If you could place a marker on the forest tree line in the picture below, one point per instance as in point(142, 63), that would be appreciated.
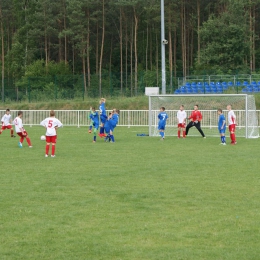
point(93, 38)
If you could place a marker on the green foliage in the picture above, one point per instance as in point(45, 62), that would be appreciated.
point(225, 40)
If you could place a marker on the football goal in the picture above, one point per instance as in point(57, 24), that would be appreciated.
point(242, 104)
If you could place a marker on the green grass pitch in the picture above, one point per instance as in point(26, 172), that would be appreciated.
point(137, 198)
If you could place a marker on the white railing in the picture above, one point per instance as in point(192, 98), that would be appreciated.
point(127, 117)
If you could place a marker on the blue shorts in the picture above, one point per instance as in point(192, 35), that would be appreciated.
point(103, 119)
point(222, 131)
point(161, 127)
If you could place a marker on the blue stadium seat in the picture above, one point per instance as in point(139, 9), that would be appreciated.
point(214, 91)
point(220, 89)
point(212, 84)
point(245, 83)
point(255, 89)
point(258, 83)
point(201, 89)
point(230, 84)
point(218, 84)
point(199, 84)
point(207, 90)
point(193, 84)
point(238, 83)
point(177, 91)
point(183, 91)
point(249, 89)
point(244, 90)
point(195, 90)
point(253, 83)
point(187, 84)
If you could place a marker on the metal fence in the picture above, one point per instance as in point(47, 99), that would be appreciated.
point(128, 118)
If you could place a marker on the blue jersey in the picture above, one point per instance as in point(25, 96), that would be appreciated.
point(102, 109)
point(162, 118)
point(94, 117)
point(114, 119)
point(221, 120)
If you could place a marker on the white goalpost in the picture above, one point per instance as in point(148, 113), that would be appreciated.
point(242, 104)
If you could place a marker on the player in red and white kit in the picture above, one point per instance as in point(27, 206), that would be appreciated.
point(51, 124)
point(181, 117)
point(21, 131)
point(6, 122)
point(196, 118)
point(231, 124)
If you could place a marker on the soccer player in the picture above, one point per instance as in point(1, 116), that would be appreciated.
point(222, 126)
point(196, 118)
point(21, 131)
point(181, 117)
point(162, 122)
point(232, 124)
point(103, 116)
point(95, 122)
point(111, 125)
point(6, 122)
point(51, 124)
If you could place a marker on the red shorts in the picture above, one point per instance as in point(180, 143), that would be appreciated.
point(6, 127)
point(22, 134)
point(232, 128)
point(51, 139)
point(181, 125)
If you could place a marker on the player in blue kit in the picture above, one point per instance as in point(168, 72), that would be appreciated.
point(222, 126)
point(95, 122)
point(162, 122)
point(103, 116)
point(111, 125)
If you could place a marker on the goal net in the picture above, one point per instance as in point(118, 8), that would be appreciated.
point(242, 104)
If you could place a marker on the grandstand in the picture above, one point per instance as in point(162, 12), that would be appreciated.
point(218, 84)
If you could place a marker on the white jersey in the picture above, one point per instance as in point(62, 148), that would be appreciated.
point(231, 118)
point(6, 119)
point(18, 125)
point(50, 123)
point(181, 116)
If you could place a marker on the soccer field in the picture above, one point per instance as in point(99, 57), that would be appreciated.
point(137, 198)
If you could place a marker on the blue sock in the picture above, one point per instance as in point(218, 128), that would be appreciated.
point(101, 130)
point(112, 138)
point(90, 127)
point(221, 138)
point(161, 134)
point(95, 138)
point(224, 139)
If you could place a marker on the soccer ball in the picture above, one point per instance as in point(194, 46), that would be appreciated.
point(43, 137)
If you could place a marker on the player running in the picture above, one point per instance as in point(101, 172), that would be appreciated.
point(196, 118)
point(232, 124)
point(103, 116)
point(181, 117)
point(162, 122)
point(21, 131)
point(51, 124)
point(222, 126)
point(95, 122)
point(6, 122)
